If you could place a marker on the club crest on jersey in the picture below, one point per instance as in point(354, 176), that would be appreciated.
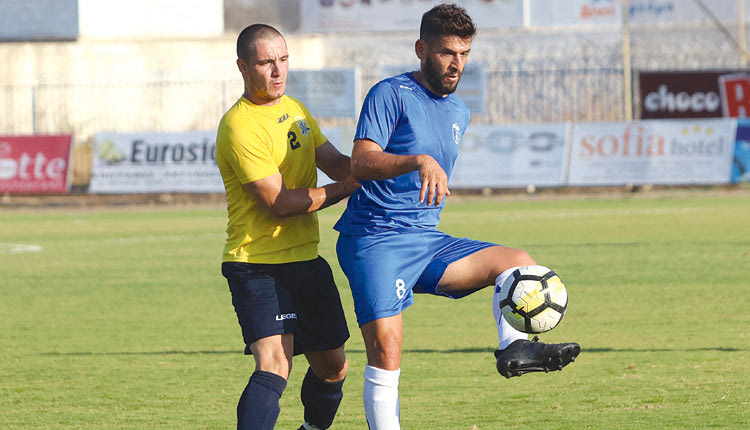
point(302, 124)
point(456, 133)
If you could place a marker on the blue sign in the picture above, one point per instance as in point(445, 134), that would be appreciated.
point(35, 20)
point(741, 161)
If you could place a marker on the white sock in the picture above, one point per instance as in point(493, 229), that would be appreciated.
point(505, 333)
point(308, 426)
point(380, 396)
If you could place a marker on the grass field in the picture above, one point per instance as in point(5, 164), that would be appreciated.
point(120, 319)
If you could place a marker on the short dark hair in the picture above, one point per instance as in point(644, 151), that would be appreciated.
point(446, 20)
point(248, 36)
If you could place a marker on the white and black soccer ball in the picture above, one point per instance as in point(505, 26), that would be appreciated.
point(533, 299)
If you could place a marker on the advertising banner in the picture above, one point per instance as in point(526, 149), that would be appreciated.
point(735, 95)
point(741, 161)
point(653, 152)
point(35, 164)
point(31, 20)
point(575, 13)
point(679, 11)
point(126, 163)
point(509, 156)
point(472, 88)
point(165, 18)
point(326, 92)
point(680, 95)
point(366, 15)
point(155, 163)
point(712, 94)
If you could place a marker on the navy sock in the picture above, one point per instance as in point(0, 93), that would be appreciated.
point(258, 407)
point(321, 399)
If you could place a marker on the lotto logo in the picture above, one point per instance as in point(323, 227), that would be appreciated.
point(400, 288)
point(34, 164)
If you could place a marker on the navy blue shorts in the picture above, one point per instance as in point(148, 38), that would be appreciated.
point(299, 298)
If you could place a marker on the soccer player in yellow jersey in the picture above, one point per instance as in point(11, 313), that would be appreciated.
point(268, 147)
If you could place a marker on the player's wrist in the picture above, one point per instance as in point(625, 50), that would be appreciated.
point(421, 161)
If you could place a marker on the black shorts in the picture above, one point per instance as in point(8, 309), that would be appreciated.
point(299, 297)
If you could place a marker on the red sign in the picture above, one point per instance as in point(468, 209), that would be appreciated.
point(34, 164)
point(735, 90)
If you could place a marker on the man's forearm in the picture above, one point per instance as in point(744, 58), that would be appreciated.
point(376, 165)
point(306, 200)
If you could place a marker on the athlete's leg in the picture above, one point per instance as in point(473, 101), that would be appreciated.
point(515, 355)
point(258, 407)
point(383, 339)
point(259, 297)
point(382, 268)
point(274, 354)
point(330, 365)
point(322, 387)
point(322, 332)
point(489, 266)
point(480, 269)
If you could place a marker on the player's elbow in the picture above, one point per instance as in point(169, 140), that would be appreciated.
point(292, 202)
point(281, 211)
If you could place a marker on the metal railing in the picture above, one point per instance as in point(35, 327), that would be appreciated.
point(513, 95)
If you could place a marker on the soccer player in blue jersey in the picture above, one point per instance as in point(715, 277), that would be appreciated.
point(389, 247)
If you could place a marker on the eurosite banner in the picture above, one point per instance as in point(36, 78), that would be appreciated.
point(710, 94)
point(35, 164)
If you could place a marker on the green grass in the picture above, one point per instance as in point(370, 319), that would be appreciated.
point(123, 321)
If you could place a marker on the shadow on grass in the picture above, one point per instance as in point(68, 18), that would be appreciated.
point(176, 352)
point(406, 351)
point(706, 348)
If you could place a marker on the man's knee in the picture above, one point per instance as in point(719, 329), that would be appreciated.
point(520, 258)
point(274, 354)
point(332, 371)
point(504, 258)
point(328, 365)
point(385, 353)
point(383, 338)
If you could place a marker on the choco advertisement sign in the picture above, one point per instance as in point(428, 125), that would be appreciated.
point(712, 94)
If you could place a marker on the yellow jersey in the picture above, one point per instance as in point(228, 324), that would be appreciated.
point(254, 142)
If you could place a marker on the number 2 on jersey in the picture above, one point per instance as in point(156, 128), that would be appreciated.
point(293, 140)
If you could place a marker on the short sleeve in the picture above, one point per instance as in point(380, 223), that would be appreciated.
point(248, 155)
point(380, 113)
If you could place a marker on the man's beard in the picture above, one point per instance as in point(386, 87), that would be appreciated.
point(435, 79)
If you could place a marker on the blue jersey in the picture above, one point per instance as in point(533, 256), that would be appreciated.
point(404, 118)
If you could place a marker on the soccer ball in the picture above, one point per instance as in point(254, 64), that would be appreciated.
point(533, 299)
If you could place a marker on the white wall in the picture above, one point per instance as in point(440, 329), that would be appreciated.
point(97, 61)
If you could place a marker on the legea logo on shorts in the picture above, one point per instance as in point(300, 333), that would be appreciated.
point(282, 317)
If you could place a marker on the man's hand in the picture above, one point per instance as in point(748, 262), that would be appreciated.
point(350, 185)
point(434, 180)
point(371, 163)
